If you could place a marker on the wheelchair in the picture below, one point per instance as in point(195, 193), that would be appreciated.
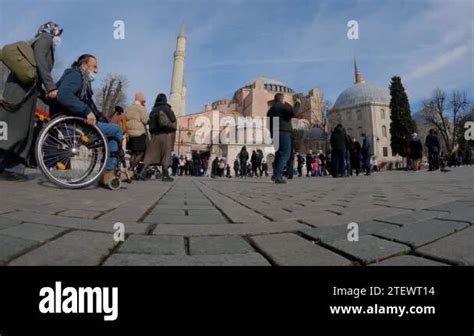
point(73, 155)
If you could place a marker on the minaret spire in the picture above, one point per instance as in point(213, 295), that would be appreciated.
point(359, 79)
point(177, 96)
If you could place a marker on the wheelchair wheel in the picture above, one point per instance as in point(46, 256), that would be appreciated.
point(114, 184)
point(70, 153)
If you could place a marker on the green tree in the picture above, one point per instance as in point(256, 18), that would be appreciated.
point(402, 124)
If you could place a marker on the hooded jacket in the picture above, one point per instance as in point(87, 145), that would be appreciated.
point(161, 104)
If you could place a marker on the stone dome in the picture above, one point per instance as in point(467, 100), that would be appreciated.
point(271, 85)
point(362, 93)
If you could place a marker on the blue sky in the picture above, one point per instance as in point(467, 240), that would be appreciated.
point(230, 42)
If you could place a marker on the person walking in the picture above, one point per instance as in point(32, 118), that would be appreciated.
point(356, 152)
point(137, 118)
point(300, 162)
point(309, 164)
point(253, 161)
point(236, 166)
point(338, 146)
point(284, 114)
point(182, 165)
point(243, 158)
point(432, 143)
point(366, 153)
point(265, 167)
point(416, 150)
point(163, 131)
point(19, 102)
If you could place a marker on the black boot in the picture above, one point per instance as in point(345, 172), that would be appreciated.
point(166, 175)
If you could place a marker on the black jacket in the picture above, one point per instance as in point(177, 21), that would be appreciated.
point(338, 139)
point(432, 143)
point(161, 104)
point(285, 113)
point(244, 156)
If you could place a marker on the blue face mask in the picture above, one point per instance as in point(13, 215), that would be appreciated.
point(92, 76)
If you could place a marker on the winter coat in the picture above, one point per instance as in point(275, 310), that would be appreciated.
point(338, 139)
point(20, 120)
point(137, 118)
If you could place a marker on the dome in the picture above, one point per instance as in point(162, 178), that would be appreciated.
point(267, 81)
point(270, 85)
point(362, 93)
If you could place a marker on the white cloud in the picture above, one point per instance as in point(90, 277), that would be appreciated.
point(439, 62)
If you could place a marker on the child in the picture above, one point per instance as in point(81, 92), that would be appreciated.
point(315, 166)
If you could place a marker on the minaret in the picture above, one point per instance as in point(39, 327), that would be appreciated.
point(177, 95)
point(359, 79)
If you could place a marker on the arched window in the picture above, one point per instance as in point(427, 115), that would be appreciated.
point(359, 115)
point(382, 113)
point(384, 131)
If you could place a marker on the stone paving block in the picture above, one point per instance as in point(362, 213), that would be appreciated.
point(457, 248)
point(31, 231)
point(76, 213)
point(219, 245)
point(370, 249)
point(340, 232)
point(453, 207)
point(163, 245)
point(409, 217)
point(176, 219)
point(248, 259)
point(78, 223)
point(76, 248)
point(8, 222)
point(466, 215)
point(421, 233)
point(292, 250)
point(11, 247)
point(408, 260)
point(228, 229)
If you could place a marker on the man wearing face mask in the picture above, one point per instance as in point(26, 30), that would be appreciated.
point(75, 98)
point(19, 102)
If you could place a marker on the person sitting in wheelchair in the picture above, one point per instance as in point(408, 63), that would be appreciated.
point(75, 98)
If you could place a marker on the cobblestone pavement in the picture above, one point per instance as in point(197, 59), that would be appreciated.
point(404, 218)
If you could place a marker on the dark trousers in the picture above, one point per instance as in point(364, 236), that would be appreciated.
point(243, 168)
point(433, 160)
point(366, 162)
point(339, 162)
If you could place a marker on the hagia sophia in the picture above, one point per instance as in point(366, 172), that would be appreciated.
point(362, 108)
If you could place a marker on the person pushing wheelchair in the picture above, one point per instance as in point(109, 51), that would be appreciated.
point(75, 98)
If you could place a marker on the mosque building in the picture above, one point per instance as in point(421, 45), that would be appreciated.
point(365, 108)
point(252, 100)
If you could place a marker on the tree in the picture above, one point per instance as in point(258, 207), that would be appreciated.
point(447, 116)
point(402, 124)
point(112, 93)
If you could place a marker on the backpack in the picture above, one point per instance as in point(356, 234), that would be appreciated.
point(19, 58)
point(165, 122)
